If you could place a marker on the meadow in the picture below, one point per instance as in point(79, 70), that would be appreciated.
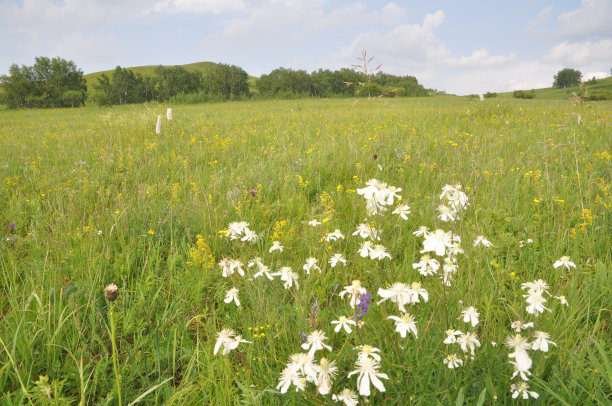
point(93, 197)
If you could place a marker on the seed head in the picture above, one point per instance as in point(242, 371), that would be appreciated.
point(110, 292)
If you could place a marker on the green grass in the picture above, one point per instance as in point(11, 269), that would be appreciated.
point(602, 86)
point(98, 198)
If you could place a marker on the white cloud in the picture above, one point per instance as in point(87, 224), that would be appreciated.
point(581, 53)
point(198, 6)
point(592, 19)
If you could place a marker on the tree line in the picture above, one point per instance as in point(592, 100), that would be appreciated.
point(59, 83)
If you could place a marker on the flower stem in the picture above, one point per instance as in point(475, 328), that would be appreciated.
point(114, 343)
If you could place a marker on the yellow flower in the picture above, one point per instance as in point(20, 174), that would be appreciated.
point(151, 232)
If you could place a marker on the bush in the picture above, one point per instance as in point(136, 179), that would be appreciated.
point(394, 91)
point(490, 95)
point(599, 95)
point(524, 94)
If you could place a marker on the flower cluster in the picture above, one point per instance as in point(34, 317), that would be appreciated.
point(455, 201)
point(379, 196)
point(240, 231)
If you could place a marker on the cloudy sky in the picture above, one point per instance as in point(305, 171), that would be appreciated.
point(458, 46)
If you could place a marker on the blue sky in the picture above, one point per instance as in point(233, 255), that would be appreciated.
point(458, 46)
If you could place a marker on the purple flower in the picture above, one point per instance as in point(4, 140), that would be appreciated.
point(364, 304)
point(303, 336)
point(13, 225)
point(253, 192)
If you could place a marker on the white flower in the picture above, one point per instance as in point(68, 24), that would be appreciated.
point(276, 246)
point(365, 249)
point(446, 214)
point(426, 265)
point(336, 235)
point(367, 368)
point(421, 232)
point(437, 242)
point(468, 340)
point(232, 294)
point(519, 325)
point(402, 210)
point(311, 263)
point(264, 270)
point(314, 223)
point(564, 261)
point(521, 389)
point(249, 236)
point(325, 373)
point(452, 361)
point(482, 240)
point(255, 261)
point(288, 276)
point(368, 351)
point(379, 252)
point(450, 266)
point(228, 339)
point(291, 375)
point(303, 363)
point(404, 324)
point(344, 322)
point(541, 341)
point(158, 126)
point(398, 293)
point(347, 396)
point(354, 290)
point(522, 243)
point(169, 114)
point(520, 346)
point(366, 231)
point(415, 291)
point(562, 299)
point(470, 315)
point(537, 287)
point(451, 336)
point(236, 229)
point(229, 266)
point(536, 304)
point(335, 259)
point(314, 342)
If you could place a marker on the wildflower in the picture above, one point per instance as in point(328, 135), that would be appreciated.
point(314, 223)
point(276, 246)
point(264, 271)
point(288, 276)
point(404, 324)
point(367, 368)
point(169, 114)
point(347, 396)
point(303, 363)
point(446, 214)
point(450, 266)
point(427, 265)
point(520, 346)
point(437, 242)
point(335, 259)
point(336, 235)
point(379, 252)
point(311, 263)
point(315, 342)
point(541, 341)
point(451, 336)
point(482, 240)
point(365, 249)
point(398, 293)
point(368, 351)
point(236, 229)
point(255, 261)
point(536, 304)
point(354, 291)
point(564, 261)
point(289, 376)
point(344, 322)
point(363, 305)
point(537, 287)
point(402, 210)
point(454, 249)
point(521, 389)
point(326, 372)
point(421, 232)
point(250, 236)
point(366, 231)
point(415, 291)
point(562, 299)
point(519, 325)
point(468, 340)
point(111, 292)
point(522, 243)
point(229, 340)
point(232, 294)
point(452, 361)
point(470, 315)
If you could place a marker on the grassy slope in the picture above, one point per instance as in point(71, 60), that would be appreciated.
point(552, 93)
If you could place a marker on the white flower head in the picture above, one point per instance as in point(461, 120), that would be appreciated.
point(470, 315)
point(347, 396)
point(402, 210)
point(315, 342)
point(367, 368)
point(453, 361)
point(232, 295)
point(276, 246)
point(405, 324)
point(345, 323)
point(336, 259)
point(480, 240)
point(541, 341)
point(565, 262)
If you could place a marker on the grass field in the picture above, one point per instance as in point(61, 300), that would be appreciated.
point(92, 197)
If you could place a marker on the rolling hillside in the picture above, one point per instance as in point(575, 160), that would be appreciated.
point(602, 87)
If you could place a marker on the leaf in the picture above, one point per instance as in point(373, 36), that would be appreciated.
point(143, 395)
point(482, 397)
point(460, 398)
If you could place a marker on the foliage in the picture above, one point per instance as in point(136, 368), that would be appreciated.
point(490, 95)
point(48, 83)
point(523, 94)
point(119, 204)
point(567, 77)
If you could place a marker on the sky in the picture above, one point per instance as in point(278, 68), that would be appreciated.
point(460, 47)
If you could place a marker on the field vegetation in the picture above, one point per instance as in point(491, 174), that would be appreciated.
point(92, 198)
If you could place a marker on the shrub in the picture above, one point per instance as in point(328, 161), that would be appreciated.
point(524, 94)
point(490, 95)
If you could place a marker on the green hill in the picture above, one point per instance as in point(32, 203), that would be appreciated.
point(149, 70)
point(600, 89)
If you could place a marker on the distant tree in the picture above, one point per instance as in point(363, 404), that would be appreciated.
point(567, 77)
point(73, 97)
point(43, 84)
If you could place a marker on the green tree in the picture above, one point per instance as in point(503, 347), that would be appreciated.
point(567, 77)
